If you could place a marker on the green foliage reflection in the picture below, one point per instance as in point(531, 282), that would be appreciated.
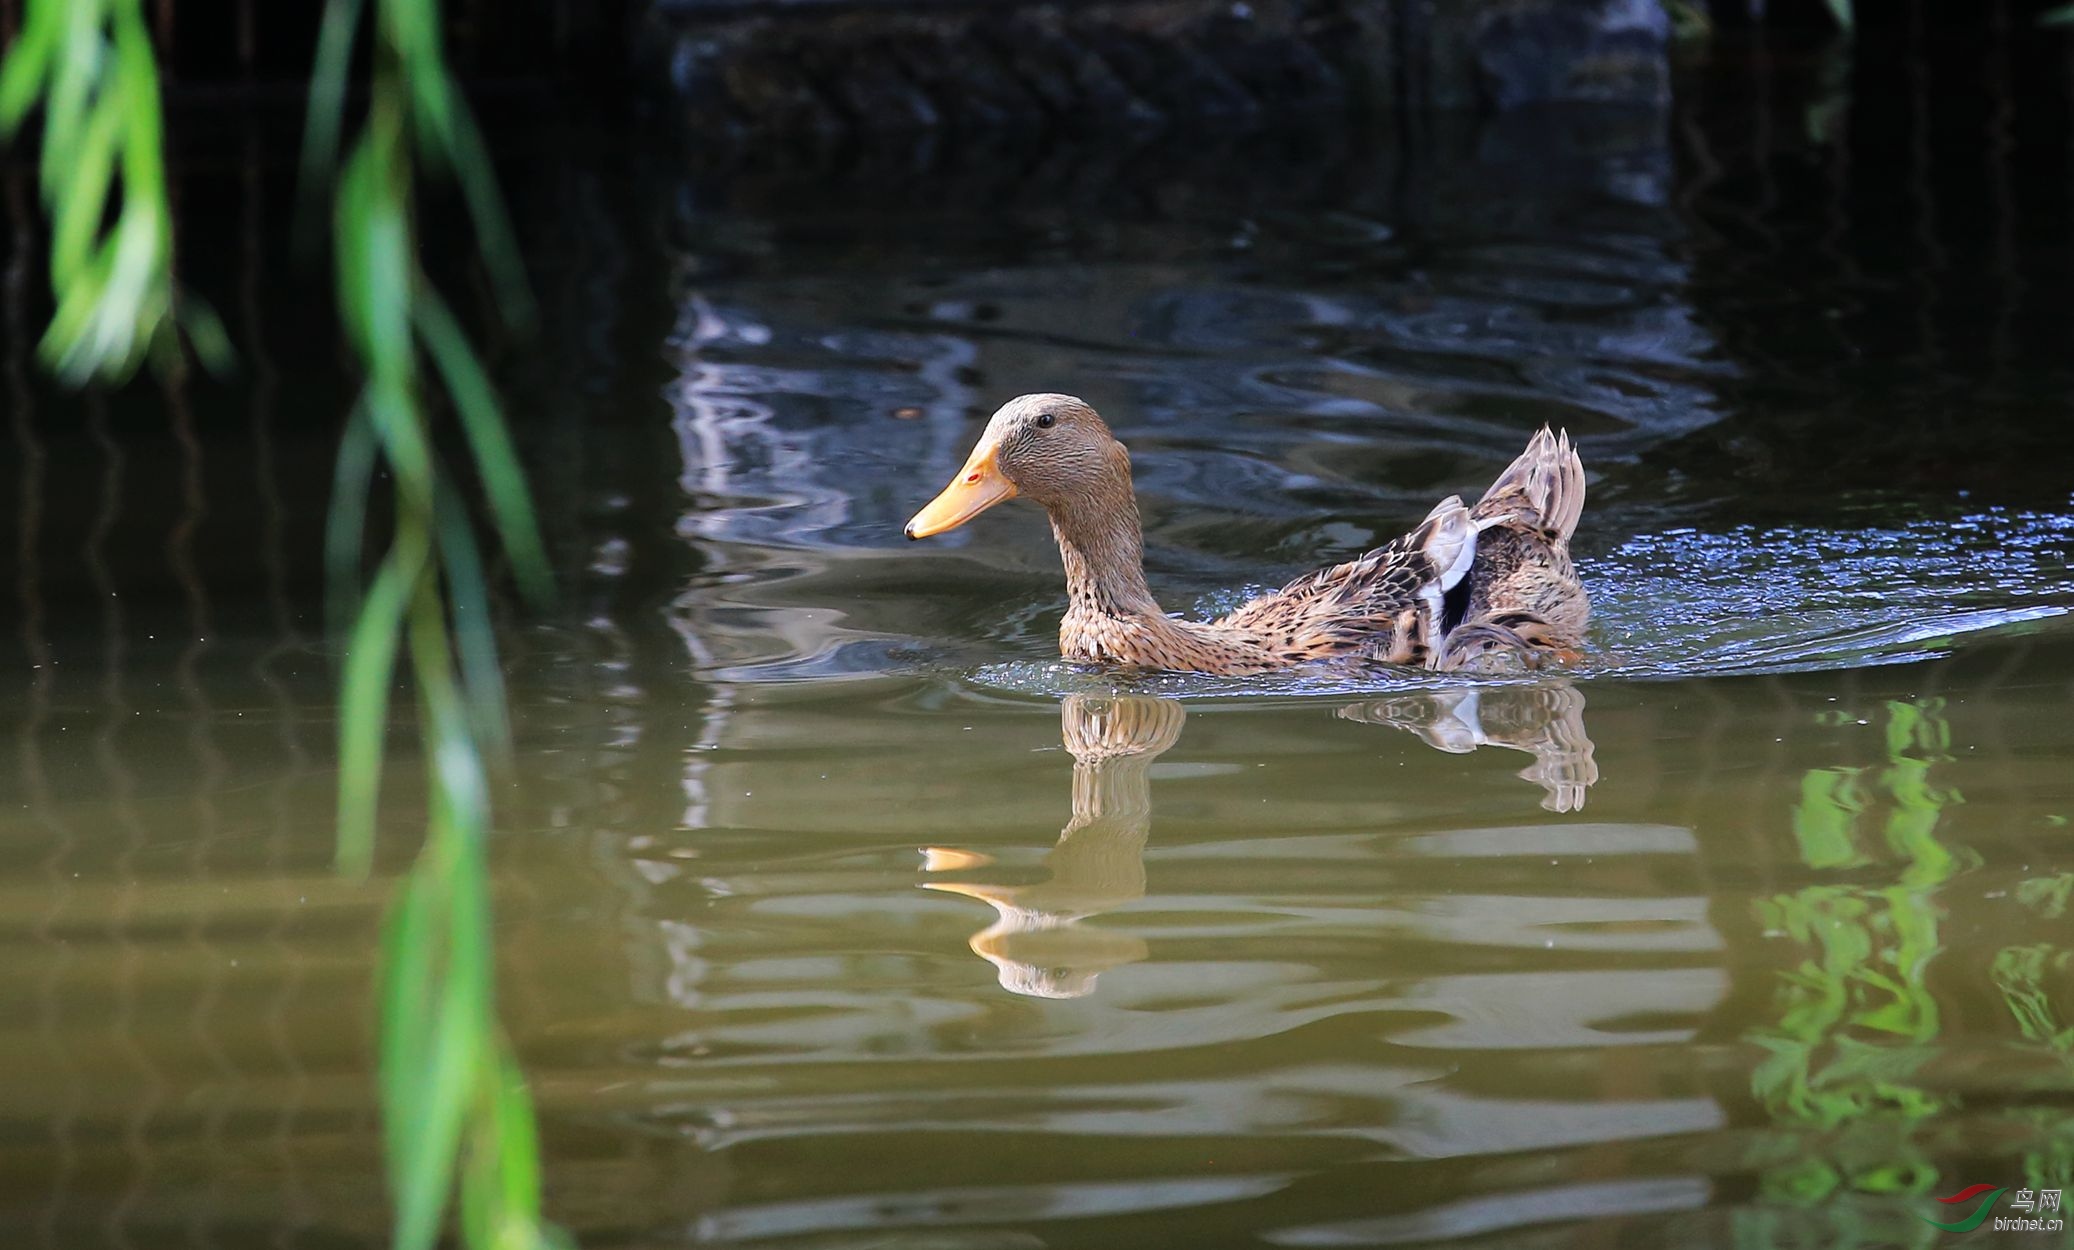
point(1855, 1020)
point(2020, 973)
point(2033, 981)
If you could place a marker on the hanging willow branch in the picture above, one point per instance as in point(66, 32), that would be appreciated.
point(89, 63)
point(455, 1109)
point(456, 1114)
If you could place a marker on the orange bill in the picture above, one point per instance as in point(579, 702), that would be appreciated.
point(979, 486)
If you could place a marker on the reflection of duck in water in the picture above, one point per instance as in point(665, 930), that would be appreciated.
point(1468, 582)
point(1098, 864)
point(1547, 722)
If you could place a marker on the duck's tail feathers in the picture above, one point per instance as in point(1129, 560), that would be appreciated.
point(1543, 488)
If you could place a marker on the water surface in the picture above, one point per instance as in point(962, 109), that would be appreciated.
point(835, 912)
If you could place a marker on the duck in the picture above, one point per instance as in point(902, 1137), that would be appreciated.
point(1470, 587)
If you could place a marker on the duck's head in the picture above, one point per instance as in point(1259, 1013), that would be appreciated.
point(1052, 449)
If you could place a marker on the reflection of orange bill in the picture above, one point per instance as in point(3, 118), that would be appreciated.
point(948, 859)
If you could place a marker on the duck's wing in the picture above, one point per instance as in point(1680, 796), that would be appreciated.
point(1390, 604)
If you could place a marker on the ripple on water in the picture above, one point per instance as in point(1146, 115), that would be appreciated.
point(1686, 603)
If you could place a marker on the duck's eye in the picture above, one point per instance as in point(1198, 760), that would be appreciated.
point(1044, 420)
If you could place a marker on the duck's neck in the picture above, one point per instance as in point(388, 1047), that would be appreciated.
point(1104, 554)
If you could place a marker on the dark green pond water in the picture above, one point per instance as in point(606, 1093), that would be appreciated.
point(836, 913)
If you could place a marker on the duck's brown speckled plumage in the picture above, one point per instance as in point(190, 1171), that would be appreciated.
point(1465, 583)
point(1524, 595)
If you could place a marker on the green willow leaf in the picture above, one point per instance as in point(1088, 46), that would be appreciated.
point(376, 266)
point(82, 202)
point(496, 460)
point(409, 953)
point(495, 239)
point(517, 1137)
point(434, 1100)
point(206, 335)
point(436, 1118)
point(478, 1208)
point(345, 522)
point(324, 120)
point(364, 702)
point(481, 676)
point(76, 73)
point(27, 69)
